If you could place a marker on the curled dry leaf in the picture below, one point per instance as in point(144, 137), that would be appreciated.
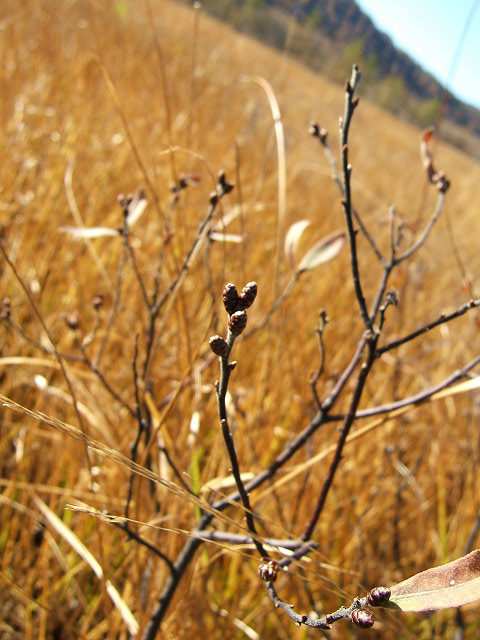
point(134, 207)
point(450, 585)
point(438, 178)
point(323, 251)
point(293, 238)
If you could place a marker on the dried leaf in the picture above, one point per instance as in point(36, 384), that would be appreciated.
point(293, 238)
point(231, 214)
point(450, 585)
point(89, 232)
point(216, 236)
point(136, 208)
point(323, 251)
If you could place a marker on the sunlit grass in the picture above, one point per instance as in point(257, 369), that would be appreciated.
point(82, 91)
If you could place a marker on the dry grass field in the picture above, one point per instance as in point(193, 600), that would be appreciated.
point(99, 98)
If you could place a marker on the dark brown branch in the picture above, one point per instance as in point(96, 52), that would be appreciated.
point(350, 105)
point(347, 425)
point(225, 371)
point(443, 319)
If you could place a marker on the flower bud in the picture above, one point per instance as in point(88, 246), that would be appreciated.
point(237, 322)
point(6, 309)
point(223, 186)
point(97, 301)
point(72, 320)
point(378, 596)
point(218, 346)
point(268, 570)
point(248, 295)
point(362, 618)
point(230, 298)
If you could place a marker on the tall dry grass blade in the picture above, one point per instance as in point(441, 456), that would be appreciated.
point(164, 85)
point(282, 168)
point(78, 546)
point(79, 222)
point(128, 132)
point(117, 456)
point(461, 387)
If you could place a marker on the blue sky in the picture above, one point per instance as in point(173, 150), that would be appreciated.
point(441, 35)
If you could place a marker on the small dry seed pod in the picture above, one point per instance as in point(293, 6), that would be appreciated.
point(38, 531)
point(230, 298)
point(268, 570)
point(237, 322)
point(72, 320)
point(378, 596)
point(6, 309)
point(248, 295)
point(97, 301)
point(362, 618)
point(223, 186)
point(218, 346)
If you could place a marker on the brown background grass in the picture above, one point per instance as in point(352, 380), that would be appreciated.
point(82, 87)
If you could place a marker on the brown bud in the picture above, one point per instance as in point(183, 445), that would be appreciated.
point(237, 322)
point(223, 186)
point(268, 570)
point(248, 295)
point(97, 301)
point(38, 531)
point(218, 346)
point(378, 596)
point(442, 183)
point(230, 298)
point(71, 320)
point(362, 618)
point(6, 309)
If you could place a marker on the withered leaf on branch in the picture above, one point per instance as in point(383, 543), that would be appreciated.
point(323, 251)
point(292, 240)
point(450, 585)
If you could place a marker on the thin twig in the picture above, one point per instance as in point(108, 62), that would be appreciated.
point(350, 105)
point(175, 284)
point(421, 240)
point(347, 424)
point(225, 371)
point(443, 319)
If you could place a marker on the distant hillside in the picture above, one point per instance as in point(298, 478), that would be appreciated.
point(330, 35)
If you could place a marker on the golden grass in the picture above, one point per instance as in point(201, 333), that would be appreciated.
point(83, 90)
